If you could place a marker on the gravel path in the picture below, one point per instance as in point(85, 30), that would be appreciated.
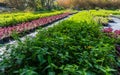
point(116, 25)
point(32, 35)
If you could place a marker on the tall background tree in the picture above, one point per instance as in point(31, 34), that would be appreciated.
point(90, 4)
point(51, 4)
point(35, 4)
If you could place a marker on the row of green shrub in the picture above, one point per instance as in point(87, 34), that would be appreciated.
point(10, 19)
point(104, 16)
point(73, 47)
point(104, 13)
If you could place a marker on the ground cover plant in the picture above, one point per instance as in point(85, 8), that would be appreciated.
point(104, 13)
point(26, 26)
point(12, 19)
point(73, 47)
point(103, 16)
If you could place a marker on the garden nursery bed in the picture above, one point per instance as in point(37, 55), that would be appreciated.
point(75, 46)
point(28, 27)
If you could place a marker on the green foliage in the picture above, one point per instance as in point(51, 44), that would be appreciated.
point(102, 20)
point(15, 18)
point(101, 16)
point(73, 47)
point(104, 13)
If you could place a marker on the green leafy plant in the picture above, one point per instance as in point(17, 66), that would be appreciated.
point(73, 47)
point(20, 17)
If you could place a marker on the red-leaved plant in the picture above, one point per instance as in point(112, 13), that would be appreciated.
point(7, 31)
